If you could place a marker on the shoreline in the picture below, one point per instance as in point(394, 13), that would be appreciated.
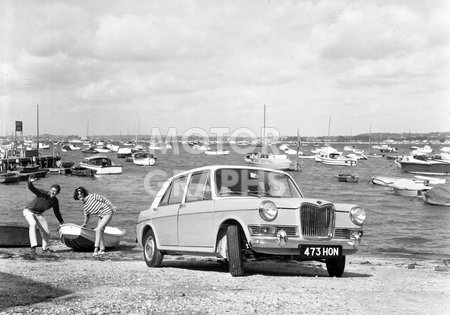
point(69, 282)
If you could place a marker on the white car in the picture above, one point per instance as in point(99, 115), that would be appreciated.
point(240, 213)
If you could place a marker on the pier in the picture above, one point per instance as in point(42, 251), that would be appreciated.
point(43, 161)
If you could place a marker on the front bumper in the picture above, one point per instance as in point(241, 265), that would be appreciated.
point(281, 245)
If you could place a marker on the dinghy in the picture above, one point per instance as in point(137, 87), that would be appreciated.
point(82, 239)
point(349, 178)
point(438, 196)
point(407, 187)
point(16, 236)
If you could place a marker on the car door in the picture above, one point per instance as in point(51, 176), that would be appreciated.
point(165, 219)
point(195, 217)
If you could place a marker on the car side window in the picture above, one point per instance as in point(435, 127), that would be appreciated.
point(177, 190)
point(199, 187)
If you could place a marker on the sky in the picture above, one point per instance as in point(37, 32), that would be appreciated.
point(331, 67)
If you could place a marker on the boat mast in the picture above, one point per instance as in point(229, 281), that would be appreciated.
point(137, 132)
point(37, 124)
point(264, 131)
point(329, 125)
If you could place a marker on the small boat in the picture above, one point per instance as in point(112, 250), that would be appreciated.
point(431, 180)
point(391, 181)
point(383, 180)
point(82, 239)
point(91, 150)
point(66, 148)
point(384, 148)
point(336, 159)
point(101, 164)
point(9, 177)
point(349, 178)
point(16, 236)
point(410, 188)
point(123, 153)
point(437, 196)
point(82, 171)
point(270, 160)
point(74, 147)
point(102, 149)
point(143, 158)
point(419, 164)
point(217, 152)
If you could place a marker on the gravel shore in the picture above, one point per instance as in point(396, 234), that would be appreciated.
point(68, 282)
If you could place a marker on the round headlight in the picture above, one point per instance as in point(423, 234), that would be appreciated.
point(358, 215)
point(268, 210)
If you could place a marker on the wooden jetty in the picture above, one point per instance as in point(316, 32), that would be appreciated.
point(43, 161)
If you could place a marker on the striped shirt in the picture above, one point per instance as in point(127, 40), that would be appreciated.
point(96, 204)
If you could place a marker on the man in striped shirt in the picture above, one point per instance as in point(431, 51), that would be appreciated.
point(97, 205)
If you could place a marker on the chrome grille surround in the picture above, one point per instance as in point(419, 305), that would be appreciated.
point(345, 233)
point(317, 221)
point(291, 230)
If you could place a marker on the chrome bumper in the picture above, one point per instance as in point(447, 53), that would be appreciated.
point(281, 245)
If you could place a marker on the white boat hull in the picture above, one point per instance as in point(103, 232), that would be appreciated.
point(144, 162)
point(80, 238)
point(103, 170)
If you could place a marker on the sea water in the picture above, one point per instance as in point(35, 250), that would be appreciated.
point(396, 225)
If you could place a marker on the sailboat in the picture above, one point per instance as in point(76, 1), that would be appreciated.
point(269, 160)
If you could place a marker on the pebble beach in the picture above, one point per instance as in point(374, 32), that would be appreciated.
point(119, 282)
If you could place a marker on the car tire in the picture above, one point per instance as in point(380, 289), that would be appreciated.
point(234, 251)
point(153, 257)
point(335, 266)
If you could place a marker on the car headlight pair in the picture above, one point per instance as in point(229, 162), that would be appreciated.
point(357, 215)
point(268, 210)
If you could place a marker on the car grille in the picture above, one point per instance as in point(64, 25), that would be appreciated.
point(317, 221)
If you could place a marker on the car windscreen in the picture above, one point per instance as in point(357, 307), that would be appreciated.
point(251, 182)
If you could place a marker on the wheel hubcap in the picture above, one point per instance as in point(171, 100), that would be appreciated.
point(149, 248)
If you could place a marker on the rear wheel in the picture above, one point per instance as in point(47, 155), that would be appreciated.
point(153, 257)
point(335, 266)
point(234, 248)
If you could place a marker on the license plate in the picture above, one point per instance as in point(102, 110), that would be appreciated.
point(319, 251)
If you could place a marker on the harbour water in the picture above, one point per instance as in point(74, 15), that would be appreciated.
point(395, 225)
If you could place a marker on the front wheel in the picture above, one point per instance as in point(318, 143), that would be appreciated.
point(234, 248)
point(336, 266)
point(153, 257)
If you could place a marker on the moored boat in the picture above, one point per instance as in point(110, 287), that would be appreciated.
point(410, 188)
point(437, 196)
point(143, 158)
point(272, 161)
point(90, 150)
point(101, 164)
point(217, 152)
point(123, 153)
point(424, 165)
point(349, 178)
point(82, 239)
point(336, 159)
point(82, 171)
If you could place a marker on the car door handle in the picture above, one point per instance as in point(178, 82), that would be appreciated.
point(182, 205)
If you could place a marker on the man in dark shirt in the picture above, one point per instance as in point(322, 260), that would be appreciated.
point(33, 213)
